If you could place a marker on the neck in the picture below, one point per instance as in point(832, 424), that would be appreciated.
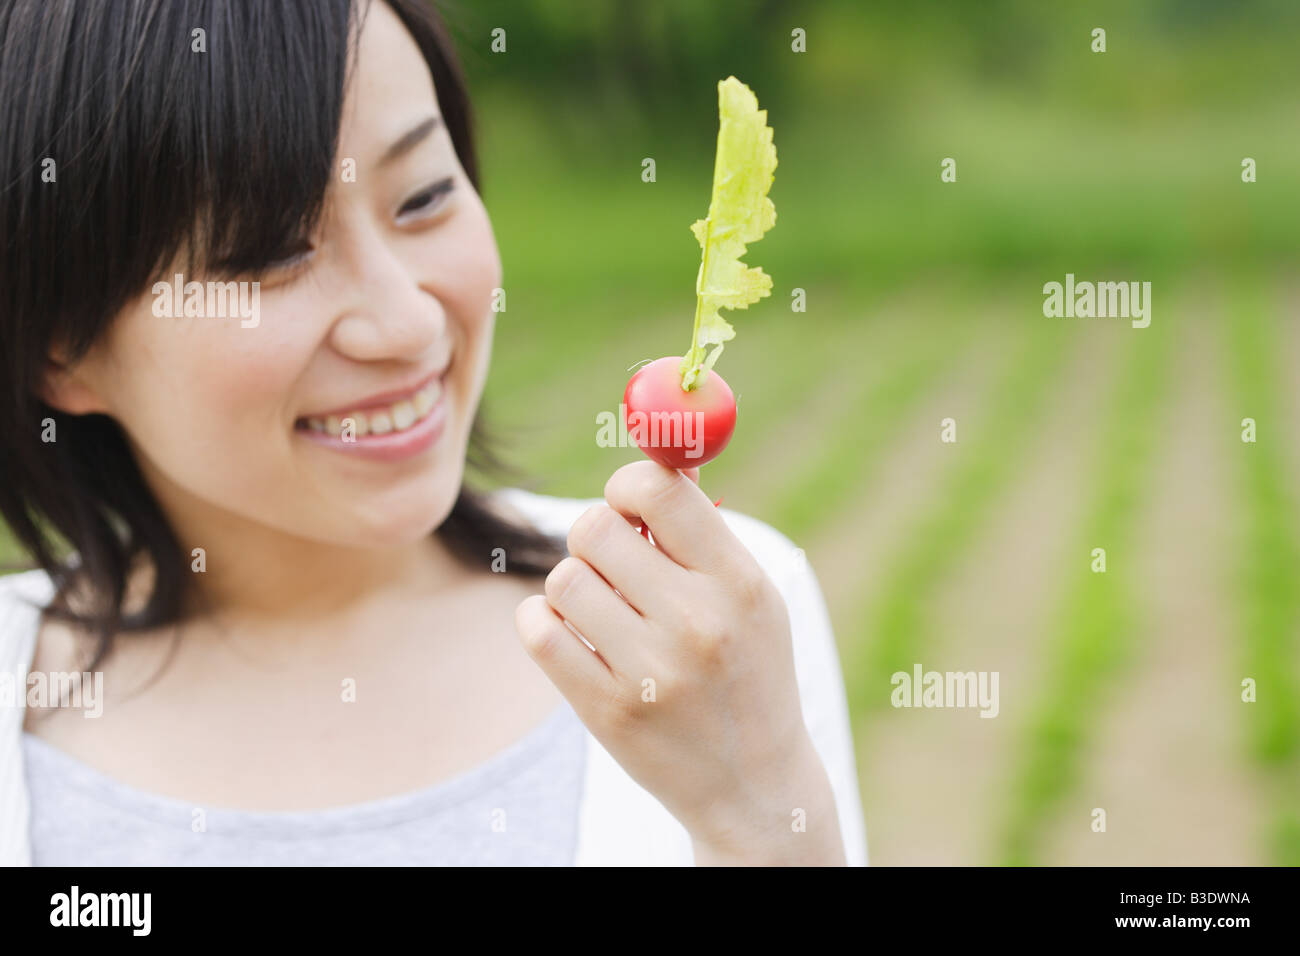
point(276, 577)
point(254, 573)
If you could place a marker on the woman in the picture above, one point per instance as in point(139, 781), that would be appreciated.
point(247, 503)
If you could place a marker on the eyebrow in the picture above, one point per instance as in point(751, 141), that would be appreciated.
point(410, 139)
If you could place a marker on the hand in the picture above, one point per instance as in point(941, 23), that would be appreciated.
point(692, 686)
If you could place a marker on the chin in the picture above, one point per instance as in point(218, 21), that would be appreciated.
point(417, 514)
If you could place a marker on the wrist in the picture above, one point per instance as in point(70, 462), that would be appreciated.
point(787, 819)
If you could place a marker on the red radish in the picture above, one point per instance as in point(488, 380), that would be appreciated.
point(675, 427)
point(678, 410)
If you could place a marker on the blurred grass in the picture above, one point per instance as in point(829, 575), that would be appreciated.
point(1098, 623)
point(1268, 563)
point(889, 632)
point(868, 413)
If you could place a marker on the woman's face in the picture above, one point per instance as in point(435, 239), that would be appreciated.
point(388, 323)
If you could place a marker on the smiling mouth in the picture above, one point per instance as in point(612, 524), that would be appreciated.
point(398, 416)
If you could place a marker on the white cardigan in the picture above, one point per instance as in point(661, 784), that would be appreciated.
point(619, 822)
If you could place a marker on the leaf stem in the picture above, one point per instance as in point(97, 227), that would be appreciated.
point(693, 357)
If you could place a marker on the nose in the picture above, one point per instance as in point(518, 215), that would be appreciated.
point(388, 314)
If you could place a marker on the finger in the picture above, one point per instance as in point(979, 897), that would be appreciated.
point(691, 473)
point(681, 517)
point(576, 672)
point(641, 572)
point(579, 595)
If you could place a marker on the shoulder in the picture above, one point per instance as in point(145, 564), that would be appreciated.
point(546, 513)
point(22, 595)
point(22, 598)
point(23, 591)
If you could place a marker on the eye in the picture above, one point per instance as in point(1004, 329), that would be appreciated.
point(426, 201)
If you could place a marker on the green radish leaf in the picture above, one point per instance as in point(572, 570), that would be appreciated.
point(740, 212)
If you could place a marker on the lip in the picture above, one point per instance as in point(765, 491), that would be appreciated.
point(394, 446)
point(380, 399)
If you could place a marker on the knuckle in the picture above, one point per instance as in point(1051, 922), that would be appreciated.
point(711, 637)
point(593, 526)
point(678, 609)
point(563, 582)
point(541, 642)
point(671, 686)
point(540, 638)
point(624, 710)
point(643, 481)
point(626, 478)
point(751, 586)
point(663, 486)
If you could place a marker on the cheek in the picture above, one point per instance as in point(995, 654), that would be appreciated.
point(198, 396)
point(473, 294)
point(475, 264)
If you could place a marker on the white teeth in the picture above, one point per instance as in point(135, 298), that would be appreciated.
point(403, 415)
point(397, 417)
point(427, 397)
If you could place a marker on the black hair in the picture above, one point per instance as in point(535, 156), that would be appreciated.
point(159, 153)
